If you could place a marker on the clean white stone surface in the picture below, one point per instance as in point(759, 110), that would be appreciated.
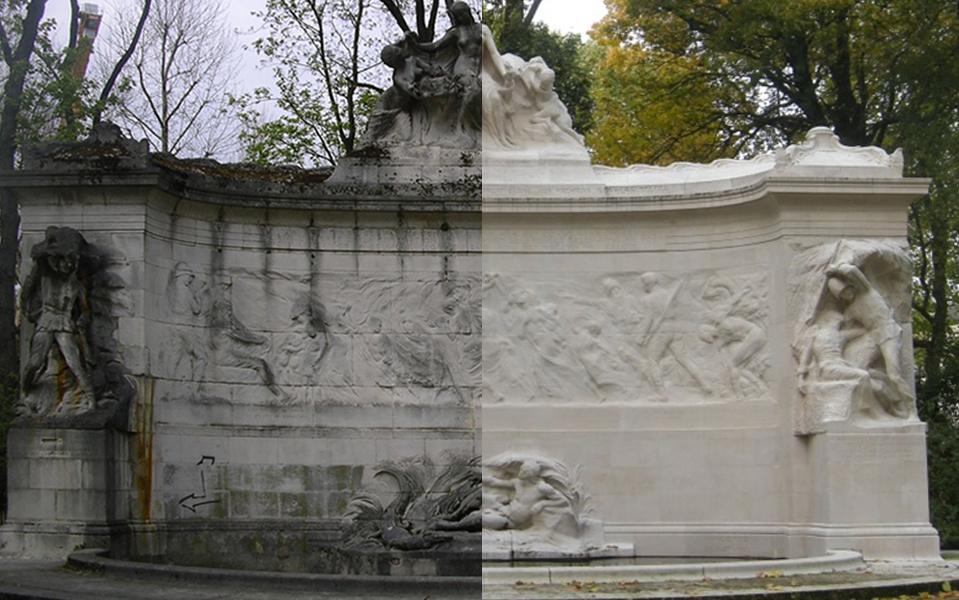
point(686, 459)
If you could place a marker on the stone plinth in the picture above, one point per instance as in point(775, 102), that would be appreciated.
point(67, 489)
point(866, 488)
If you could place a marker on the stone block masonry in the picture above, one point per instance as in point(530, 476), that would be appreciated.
point(286, 341)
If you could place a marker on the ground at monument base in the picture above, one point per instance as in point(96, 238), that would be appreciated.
point(49, 580)
point(43, 579)
point(878, 580)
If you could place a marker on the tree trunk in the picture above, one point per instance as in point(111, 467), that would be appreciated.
point(9, 210)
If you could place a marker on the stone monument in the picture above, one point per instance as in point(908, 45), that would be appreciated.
point(721, 352)
point(282, 369)
point(267, 369)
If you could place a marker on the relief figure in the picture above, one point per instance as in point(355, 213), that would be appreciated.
point(655, 341)
point(531, 503)
point(520, 108)
point(56, 303)
point(235, 345)
point(72, 299)
point(850, 343)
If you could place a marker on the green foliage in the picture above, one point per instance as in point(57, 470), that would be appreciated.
point(55, 105)
point(943, 453)
point(325, 60)
point(771, 70)
point(294, 138)
point(657, 108)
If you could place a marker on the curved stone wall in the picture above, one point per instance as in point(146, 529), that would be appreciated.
point(698, 346)
point(286, 340)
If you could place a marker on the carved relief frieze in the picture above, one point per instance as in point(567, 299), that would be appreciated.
point(290, 334)
point(625, 337)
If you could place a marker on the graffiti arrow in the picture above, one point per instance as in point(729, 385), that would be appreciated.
point(192, 506)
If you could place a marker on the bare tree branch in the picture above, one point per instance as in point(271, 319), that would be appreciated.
point(112, 80)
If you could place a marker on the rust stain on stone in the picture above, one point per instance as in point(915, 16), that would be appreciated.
point(62, 373)
point(143, 424)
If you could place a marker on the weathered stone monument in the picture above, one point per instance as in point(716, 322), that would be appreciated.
point(259, 368)
point(289, 370)
point(717, 356)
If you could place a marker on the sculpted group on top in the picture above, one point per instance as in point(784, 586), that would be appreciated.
point(460, 92)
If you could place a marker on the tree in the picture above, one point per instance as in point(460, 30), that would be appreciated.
point(323, 55)
point(325, 58)
point(800, 64)
point(879, 72)
point(658, 109)
point(17, 54)
point(174, 91)
point(511, 22)
point(59, 101)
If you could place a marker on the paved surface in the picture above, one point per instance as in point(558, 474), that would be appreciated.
point(875, 580)
point(50, 580)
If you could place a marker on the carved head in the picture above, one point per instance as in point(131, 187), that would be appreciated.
point(612, 287)
point(64, 264)
point(529, 471)
point(650, 281)
point(461, 14)
point(394, 56)
point(539, 76)
point(60, 250)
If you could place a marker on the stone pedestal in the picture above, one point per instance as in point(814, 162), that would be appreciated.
point(62, 492)
point(866, 489)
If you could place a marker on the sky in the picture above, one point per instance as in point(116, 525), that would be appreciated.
point(571, 16)
point(565, 16)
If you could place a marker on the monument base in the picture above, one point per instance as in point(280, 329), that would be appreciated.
point(62, 485)
point(432, 169)
point(866, 491)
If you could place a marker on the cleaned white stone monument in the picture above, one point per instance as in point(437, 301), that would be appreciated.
point(721, 352)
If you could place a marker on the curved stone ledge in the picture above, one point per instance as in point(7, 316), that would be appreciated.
point(819, 166)
point(841, 560)
point(98, 561)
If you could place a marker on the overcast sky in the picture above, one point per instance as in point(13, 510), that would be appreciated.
point(566, 16)
point(571, 16)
